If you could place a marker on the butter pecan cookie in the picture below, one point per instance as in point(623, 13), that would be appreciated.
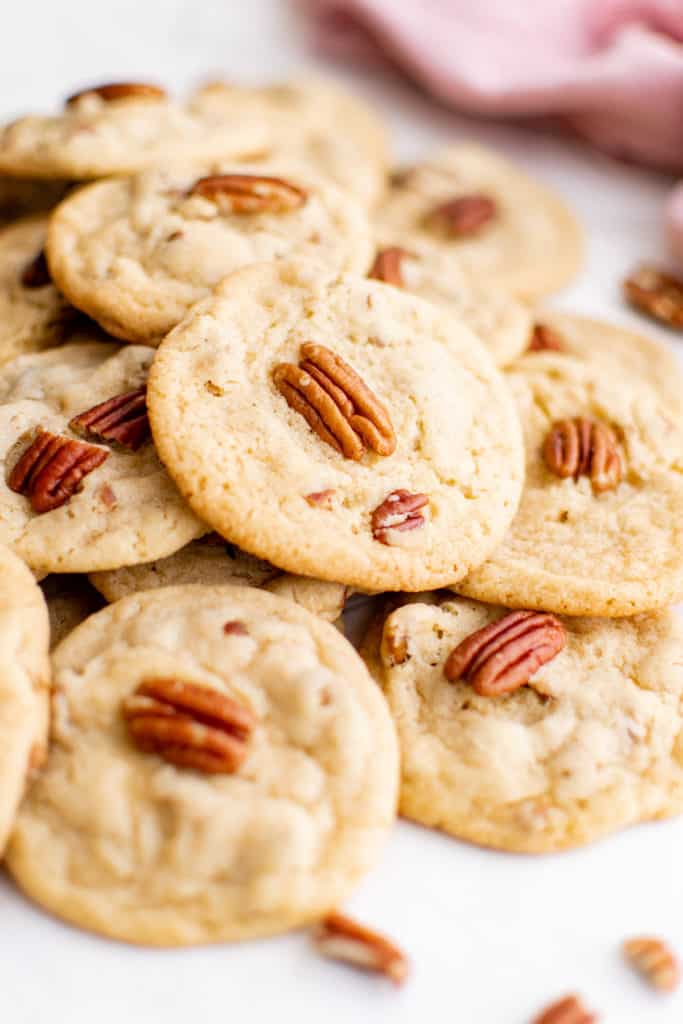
point(120, 128)
point(530, 733)
point(137, 253)
point(599, 530)
point(33, 314)
point(311, 119)
point(338, 428)
point(502, 322)
point(24, 684)
point(81, 487)
point(213, 561)
point(221, 767)
point(469, 209)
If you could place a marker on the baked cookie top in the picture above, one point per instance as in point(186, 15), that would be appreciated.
point(86, 494)
point(213, 562)
point(137, 253)
point(33, 314)
point(119, 129)
point(311, 119)
point(180, 846)
point(411, 469)
point(24, 683)
point(599, 530)
point(470, 209)
point(592, 743)
point(502, 322)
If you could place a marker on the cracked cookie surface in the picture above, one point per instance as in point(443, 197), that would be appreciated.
point(123, 842)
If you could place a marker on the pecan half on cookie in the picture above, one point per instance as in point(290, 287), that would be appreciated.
point(583, 447)
point(463, 216)
point(51, 469)
point(112, 91)
point(503, 656)
point(122, 419)
point(249, 193)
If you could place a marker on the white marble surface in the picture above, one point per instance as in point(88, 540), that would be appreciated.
point(492, 937)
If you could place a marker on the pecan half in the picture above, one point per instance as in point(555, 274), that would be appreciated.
point(340, 938)
point(249, 193)
point(51, 469)
point(36, 274)
point(335, 402)
point(655, 961)
point(387, 266)
point(656, 293)
point(120, 91)
point(463, 216)
point(545, 339)
point(504, 655)
point(189, 725)
point(583, 447)
point(122, 419)
point(569, 1010)
point(399, 511)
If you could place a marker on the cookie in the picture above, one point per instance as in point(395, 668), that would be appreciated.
point(24, 684)
point(410, 472)
point(313, 121)
point(70, 600)
point(120, 129)
point(468, 209)
point(20, 197)
point(591, 744)
point(182, 846)
point(500, 321)
point(136, 254)
point(599, 530)
point(84, 492)
point(613, 347)
point(33, 314)
point(213, 561)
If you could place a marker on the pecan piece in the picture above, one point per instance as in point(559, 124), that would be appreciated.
point(399, 511)
point(656, 293)
point(583, 447)
point(569, 1010)
point(655, 961)
point(321, 499)
point(120, 91)
point(235, 628)
point(122, 419)
point(36, 274)
point(189, 725)
point(504, 655)
point(50, 470)
point(387, 266)
point(545, 339)
point(340, 938)
point(463, 216)
point(249, 193)
point(335, 402)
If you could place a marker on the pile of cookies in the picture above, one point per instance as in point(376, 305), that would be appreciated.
point(245, 373)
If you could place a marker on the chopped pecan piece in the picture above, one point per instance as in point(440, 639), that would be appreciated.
point(122, 419)
point(545, 339)
point(504, 655)
point(51, 469)
point(321, 499)
point(249, 193)
point(656, 293)
point(399, 511)
point(189, 725)
point(569, 1010)
point(387, 266)
point(655, 961)
point(340, 938)
point(583, 447)
point(463, 216)
point(36, 274)
point(235, 628)
point(121, 91)
point(335, 402)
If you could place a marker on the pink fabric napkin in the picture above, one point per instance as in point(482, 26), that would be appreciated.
point(612, 68)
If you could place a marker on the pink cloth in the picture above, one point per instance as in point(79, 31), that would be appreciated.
point(612, 68)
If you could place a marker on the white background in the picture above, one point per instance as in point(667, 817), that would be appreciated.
point(492, 937)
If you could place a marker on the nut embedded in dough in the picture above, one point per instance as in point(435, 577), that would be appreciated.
point(399, 511)
point(387, 266)
point(463, 216)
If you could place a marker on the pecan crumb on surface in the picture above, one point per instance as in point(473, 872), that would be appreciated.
point(569, 1010)
point(655, 961)
point(341, 938)
point(657, 293)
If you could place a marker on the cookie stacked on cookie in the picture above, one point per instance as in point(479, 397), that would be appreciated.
point(245, 373)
